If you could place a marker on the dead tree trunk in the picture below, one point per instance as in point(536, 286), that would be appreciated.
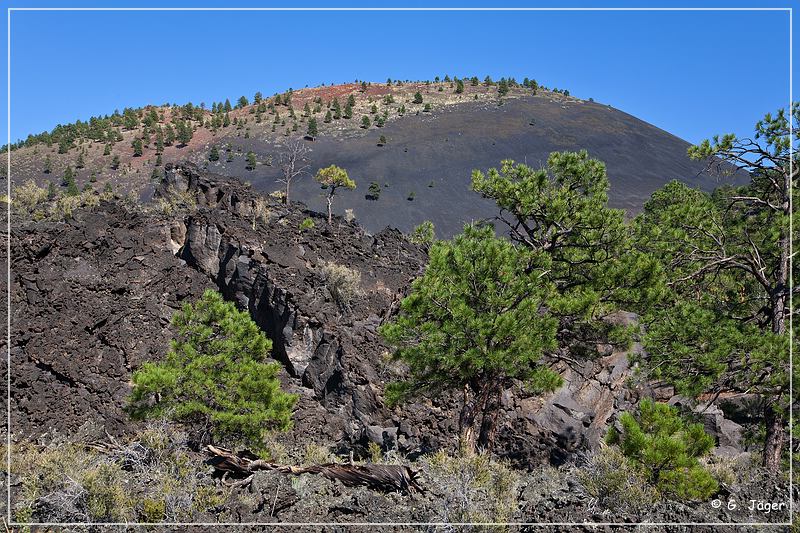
point(388, 478)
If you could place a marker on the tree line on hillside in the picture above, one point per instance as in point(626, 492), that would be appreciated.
point(108, 128)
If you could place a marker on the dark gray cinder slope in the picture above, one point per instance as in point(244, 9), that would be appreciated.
point(445, 146)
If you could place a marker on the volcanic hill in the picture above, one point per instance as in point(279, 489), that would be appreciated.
point(421, 154)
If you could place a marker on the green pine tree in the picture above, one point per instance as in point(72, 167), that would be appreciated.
point(312, 127)
point(722, 322)
point(251, 161)
point(68, 176)
point(216, 373)
point(333, 178)
point(666, 448)
point(502, 87)
point(472, 323)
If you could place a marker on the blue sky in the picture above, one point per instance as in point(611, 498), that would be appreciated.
point(691, 73)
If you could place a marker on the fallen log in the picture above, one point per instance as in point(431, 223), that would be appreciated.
point(389, 478)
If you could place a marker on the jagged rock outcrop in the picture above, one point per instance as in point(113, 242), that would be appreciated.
point(92, 299)
point(273, 270)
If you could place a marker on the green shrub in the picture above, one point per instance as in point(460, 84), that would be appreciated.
point(306, 224)
point(666, 448)
point(153, 510)
point(106, 497)
point(216, 373)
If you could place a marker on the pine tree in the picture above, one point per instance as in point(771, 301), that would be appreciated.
point(333, 178)
point(80, 163)
point(137, 147)
point(48, 165)
point(417, 98)
point(107, 149)
point(251, 161)
point(473, 323)
point(312, 127)
point(722, 324)
point(337, 109)
point(64, 145)
point(227, 106)
point(185, 132)
point(667, 449)
point(351, 100)
point(424, 235)
point(374, 191)
point(561, 211)
point(115, 162)
point(68, 176)
point(159, 142)
point(72, 187)
point(327, 118)
point(365, 123)
point(459, 86)
point(169, 135)
point(214, 154)
point(502, 87)
point(216, 344)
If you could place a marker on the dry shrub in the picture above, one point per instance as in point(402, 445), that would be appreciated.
point(315, 454)
point(472, 489)
point(174, 201)
point(150, 478)
point(27, 197)
point(342, 282)
point(260, 211)
point(616, 484)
